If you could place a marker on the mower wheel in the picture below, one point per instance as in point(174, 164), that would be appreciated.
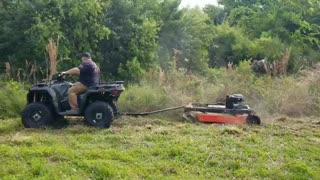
point(99, 114)
point(253, 120)
point(188, 116)
point(36, 115)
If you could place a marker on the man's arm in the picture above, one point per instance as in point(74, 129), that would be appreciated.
point(73, 71)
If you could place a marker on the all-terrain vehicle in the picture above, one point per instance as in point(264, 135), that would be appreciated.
point(48, 101)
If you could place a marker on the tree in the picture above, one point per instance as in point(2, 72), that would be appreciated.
point(229, 45)
point(28, 26)
point(134, 32)
point(216, 14)
point(189, 32)
point(293, 23)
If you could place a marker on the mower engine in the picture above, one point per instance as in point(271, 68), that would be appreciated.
point(235, 101)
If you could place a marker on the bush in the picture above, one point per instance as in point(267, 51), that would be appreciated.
point(132, 71)
point(228, 45)
point(13, 99)
point(268, 47)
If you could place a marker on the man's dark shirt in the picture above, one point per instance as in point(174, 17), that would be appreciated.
point(89, 73)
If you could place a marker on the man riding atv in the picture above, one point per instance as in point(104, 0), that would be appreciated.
point(89, 74)
point(49, 101)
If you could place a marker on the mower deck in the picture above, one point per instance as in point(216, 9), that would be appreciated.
point(217, 113)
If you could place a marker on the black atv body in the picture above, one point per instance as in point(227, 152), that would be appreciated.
point(48, 101)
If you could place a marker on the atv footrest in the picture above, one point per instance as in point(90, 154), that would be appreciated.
point(69, 114)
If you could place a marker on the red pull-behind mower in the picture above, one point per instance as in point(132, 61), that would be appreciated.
point(234, 111)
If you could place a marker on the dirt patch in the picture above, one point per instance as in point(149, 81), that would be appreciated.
point(19, 138)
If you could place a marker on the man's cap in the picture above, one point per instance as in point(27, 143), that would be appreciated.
point(86, 54)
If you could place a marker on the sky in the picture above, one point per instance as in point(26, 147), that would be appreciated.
point(200, 3)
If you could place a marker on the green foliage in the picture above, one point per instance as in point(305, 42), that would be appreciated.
point(190, 33)
point(117, 31)
point(145, 38)
point(214, 74)
point(76, 25)
point(229, 45)
point(216, 14)
point(278, 25)
point(196, 35)
point(132, 71)
point(244, 69)
point(134, 28)
point(13, 99)
point(267, 47)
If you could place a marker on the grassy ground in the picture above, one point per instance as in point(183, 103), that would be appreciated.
point(161, 149)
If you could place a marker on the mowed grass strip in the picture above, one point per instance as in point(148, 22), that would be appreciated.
point(136, 148)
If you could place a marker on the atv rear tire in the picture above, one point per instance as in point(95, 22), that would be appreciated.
point(99, 114)
point(36, 115)
point(253, 120)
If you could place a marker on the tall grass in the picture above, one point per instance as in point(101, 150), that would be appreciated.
point(52, 49)
point(293, 96)
point(287, 95)
point(12, 99)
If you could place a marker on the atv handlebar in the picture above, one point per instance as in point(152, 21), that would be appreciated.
point(59, 77)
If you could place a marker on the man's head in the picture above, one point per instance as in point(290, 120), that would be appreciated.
point(85, 56)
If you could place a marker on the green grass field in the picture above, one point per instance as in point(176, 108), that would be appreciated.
point(161, 149)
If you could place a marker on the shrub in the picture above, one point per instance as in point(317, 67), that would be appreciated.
point(131, 71)
point(13, 99)
point(268, 47)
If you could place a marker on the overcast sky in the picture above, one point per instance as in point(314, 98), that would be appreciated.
point(200, 3)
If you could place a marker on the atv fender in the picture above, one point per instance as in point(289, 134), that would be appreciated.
point(43, 90)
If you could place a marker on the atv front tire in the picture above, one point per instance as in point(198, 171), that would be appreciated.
point(36, 115)
point(99, 114)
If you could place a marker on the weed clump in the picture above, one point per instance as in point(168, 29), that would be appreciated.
point(12, 98)
point(232, 130)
